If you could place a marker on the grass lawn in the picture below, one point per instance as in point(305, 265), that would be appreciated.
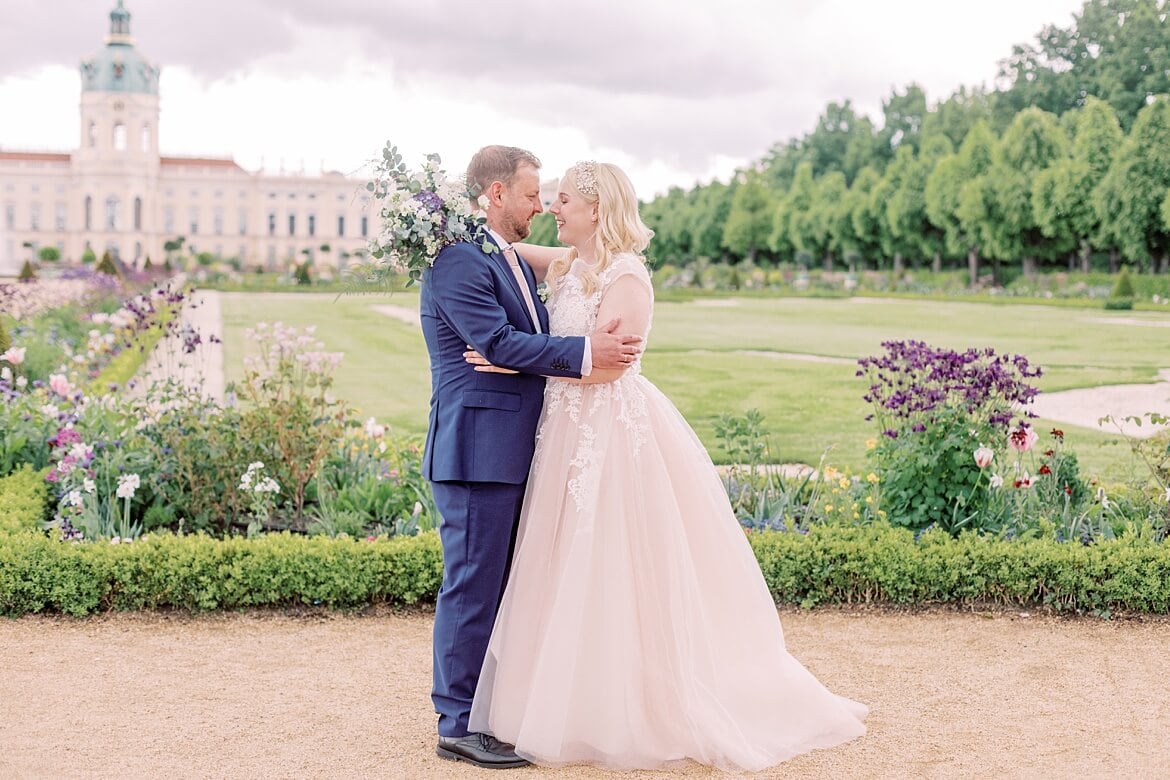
point(704, 354)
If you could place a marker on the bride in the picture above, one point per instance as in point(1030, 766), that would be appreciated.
point(636, 629)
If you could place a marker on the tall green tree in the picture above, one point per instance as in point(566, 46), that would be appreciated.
point(904, 114)
point(789, 220)
point(819, 238)
point(945, 189)
point(894, 244)
point(1062, 196)
point(749, 222)
point(1000, 210)
point(856, 232)
point(906, 212)
point(955, 116)
point(709, 212)
point(1130, 199)
point(669, 217)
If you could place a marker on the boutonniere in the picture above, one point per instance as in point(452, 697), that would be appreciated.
point(542, 292)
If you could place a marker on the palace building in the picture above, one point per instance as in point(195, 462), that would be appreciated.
point(116, 192)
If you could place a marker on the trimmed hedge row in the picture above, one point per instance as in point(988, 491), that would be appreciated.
point(38, 573)
point(885, 565)
point(831, 565)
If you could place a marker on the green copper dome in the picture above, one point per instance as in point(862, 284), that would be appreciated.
point(119, 67)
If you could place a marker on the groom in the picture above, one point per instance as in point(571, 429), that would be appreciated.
point(482, 429)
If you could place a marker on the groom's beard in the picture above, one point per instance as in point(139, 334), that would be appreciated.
point(513, 229)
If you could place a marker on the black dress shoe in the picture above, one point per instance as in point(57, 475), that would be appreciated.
point(482, 750)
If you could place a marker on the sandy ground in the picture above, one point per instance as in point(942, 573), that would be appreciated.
point(1085, 407)
point(259, 695)
point(202, 369)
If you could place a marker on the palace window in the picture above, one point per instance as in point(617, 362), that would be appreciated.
point(145, 138)
point(120, 137)
point(113, 217)
point(59, 221)
point(138, 213)
point(10, 216)
point(194, 220)
point(91, 134)
point(243, 222)
point(217, 222)
point(272, 223)
point(169, 220)
point(292, 224)
point(312, 224)
point(341, 227)
point(34, 217)
point(365, 226)
point(88, 212)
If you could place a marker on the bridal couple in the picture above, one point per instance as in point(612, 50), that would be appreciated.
point(600, 602)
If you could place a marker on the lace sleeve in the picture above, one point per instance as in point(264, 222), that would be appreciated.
point(626, 292)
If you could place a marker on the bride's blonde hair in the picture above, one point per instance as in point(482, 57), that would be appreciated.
point(620, 230)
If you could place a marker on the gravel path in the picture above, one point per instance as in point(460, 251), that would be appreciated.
point(258, 695)
point(202, 369)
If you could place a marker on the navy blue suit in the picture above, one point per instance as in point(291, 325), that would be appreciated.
point(480, 442)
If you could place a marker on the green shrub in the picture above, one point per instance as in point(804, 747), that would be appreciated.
point(1118, 304)
point(196, 572)
point(88, 256)
point(106, 266)
point(27, 274)
point(302, 274)
point(874, 564)
point(23, 498)
point(1124, 286)
point(5, 339)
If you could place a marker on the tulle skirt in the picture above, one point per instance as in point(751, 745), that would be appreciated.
point(636, 630)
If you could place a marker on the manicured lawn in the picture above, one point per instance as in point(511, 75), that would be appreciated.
point(703, 355)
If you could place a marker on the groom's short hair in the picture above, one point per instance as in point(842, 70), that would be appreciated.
point(497, 163)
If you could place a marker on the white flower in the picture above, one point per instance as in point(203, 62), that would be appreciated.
point(74, 498)
point(80, 451)
point(127, 485)
point(22, 382)
point(1167, 495)
point(267, 485)
point(6, 374)
point(996, 481)
point(49, 410)
point(417, 509)
point(88, 486)
point(373, 430)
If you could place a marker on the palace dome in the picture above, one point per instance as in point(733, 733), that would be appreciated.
point(119, 67)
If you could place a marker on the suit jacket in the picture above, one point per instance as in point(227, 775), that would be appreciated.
point(482, 425)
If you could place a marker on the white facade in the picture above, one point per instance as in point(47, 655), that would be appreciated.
point(116, 191)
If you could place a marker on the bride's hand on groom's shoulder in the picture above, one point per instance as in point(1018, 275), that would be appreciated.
point(482, 364)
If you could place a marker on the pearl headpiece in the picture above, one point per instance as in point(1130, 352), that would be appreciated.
point(585, 174)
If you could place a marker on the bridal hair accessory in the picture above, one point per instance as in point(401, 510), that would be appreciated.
point(585, 174)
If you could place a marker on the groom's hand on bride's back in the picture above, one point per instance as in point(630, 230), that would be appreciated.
point(612, 350)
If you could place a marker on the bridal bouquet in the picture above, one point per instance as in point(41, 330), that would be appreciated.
point(421, 212)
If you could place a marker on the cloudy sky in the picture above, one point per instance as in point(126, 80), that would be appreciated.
point(675, 91)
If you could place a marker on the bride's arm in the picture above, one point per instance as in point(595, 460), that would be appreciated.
point(629, 299)
point(539, 257)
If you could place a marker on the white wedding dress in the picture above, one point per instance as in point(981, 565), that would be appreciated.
point(636, 629)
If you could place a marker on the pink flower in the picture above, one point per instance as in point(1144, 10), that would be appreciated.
point(983, 457)
point(1025, 481)
point(14, 356)
point(1023, 438)
point(60, 385)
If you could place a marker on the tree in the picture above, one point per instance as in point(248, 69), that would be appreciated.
point(1062, 196)
point(49, 254)
point(904, 115)
point(711, 206)
point(107, 266)
point(944, 194)
point(1130, 198)
point(1000, 209)
point(955, 116)
point(669, 217)
point(791, 214)
point(855, 231)
point(819, 237)
point(749, 222)
point(543, 230)
point(894, 243)
point(906, 213)
point(27, 274)
point(88, 256)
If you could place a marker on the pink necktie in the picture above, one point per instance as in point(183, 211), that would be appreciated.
point(514, 264)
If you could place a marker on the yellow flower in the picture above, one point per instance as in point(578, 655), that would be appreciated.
point(871, 478)
point(881, 513)
point(856, 516)
point(869, 499)
point(844, 482)
point(870, 443)
point(832, 473)
point(828, 507)
point(855, 507)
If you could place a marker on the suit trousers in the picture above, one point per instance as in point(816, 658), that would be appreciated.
point(478, 532)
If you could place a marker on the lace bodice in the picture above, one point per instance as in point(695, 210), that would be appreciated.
point(574, 313)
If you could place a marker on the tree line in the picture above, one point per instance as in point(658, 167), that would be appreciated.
point(1068, 159)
